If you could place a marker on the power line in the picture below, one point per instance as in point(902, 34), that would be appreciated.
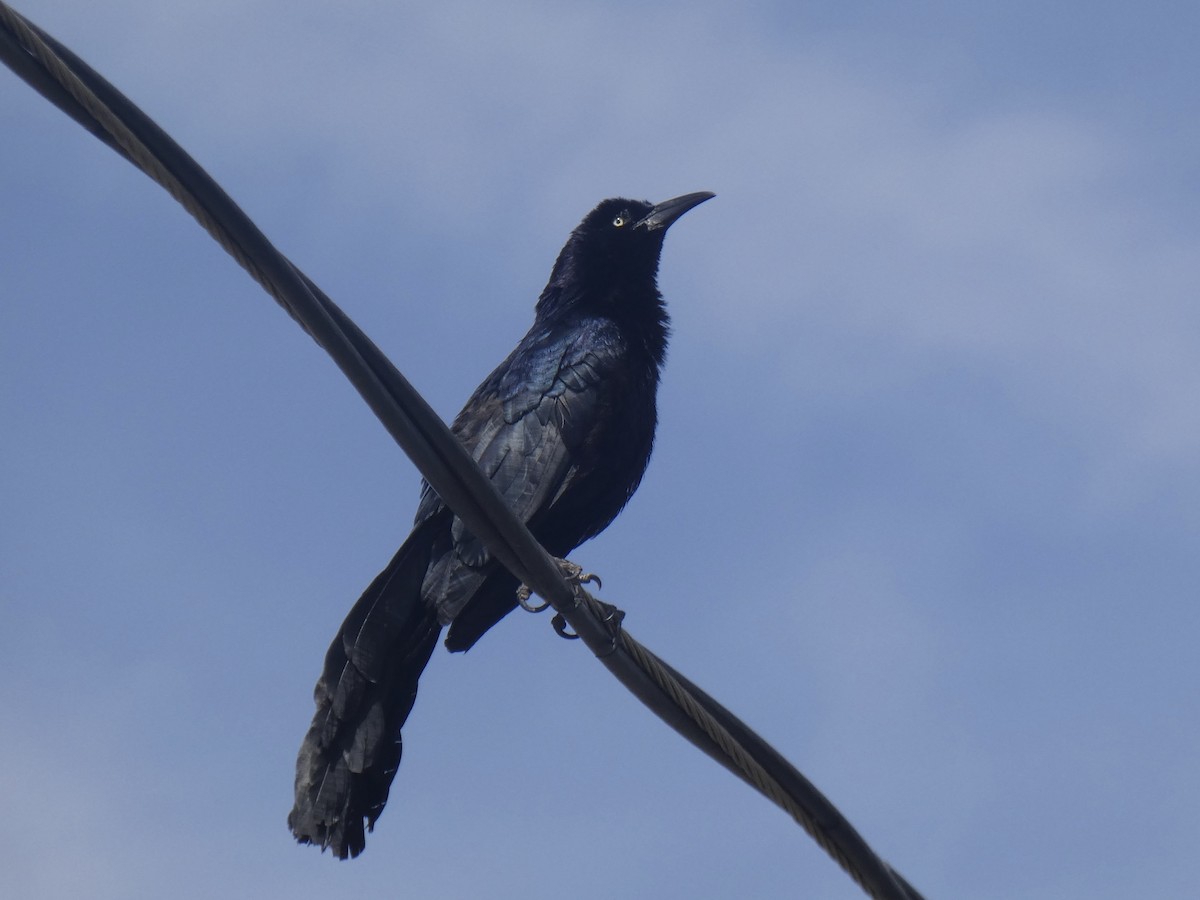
point(59, 75)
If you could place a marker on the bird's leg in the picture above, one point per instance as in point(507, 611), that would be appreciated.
point(574, 575)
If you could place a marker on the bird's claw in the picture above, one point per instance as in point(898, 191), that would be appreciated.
point(523, 595)
point(575, 575)
point(560, 627)
point(572, 572)
point(610, 615)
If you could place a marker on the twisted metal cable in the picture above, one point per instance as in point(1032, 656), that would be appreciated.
point(803, 802)
point(73, 86)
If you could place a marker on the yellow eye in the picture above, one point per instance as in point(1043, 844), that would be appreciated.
point(620, 220)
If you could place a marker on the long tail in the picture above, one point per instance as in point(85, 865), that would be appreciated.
point(365, 693)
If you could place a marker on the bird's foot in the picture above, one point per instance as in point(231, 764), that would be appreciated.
point(575, 575)
point(560, 628)
point(572, 572)
point(523, 597)
point(610, 615)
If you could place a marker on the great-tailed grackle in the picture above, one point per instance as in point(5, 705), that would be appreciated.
point(563, 428)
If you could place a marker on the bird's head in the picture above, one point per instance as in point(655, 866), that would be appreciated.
point(612, 256)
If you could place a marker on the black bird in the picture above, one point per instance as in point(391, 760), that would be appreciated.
point(563, 428)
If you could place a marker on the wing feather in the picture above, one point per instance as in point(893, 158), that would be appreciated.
point(522, 429)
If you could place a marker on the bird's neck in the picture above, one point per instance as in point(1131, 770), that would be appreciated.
point(640, 314)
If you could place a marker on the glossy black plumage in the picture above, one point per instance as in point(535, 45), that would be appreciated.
point(564, 429)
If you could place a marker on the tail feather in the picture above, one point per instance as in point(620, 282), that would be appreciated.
point(366, 691)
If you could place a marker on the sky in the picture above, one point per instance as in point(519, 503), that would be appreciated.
point(924, 508)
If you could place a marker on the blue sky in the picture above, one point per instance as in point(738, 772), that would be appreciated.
point(924, 507)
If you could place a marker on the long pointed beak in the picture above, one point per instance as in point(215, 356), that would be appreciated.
point(663, 214)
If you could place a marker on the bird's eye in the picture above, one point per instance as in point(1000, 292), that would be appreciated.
point(620, 220)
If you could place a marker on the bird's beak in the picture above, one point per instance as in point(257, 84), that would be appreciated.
point(662, 215)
